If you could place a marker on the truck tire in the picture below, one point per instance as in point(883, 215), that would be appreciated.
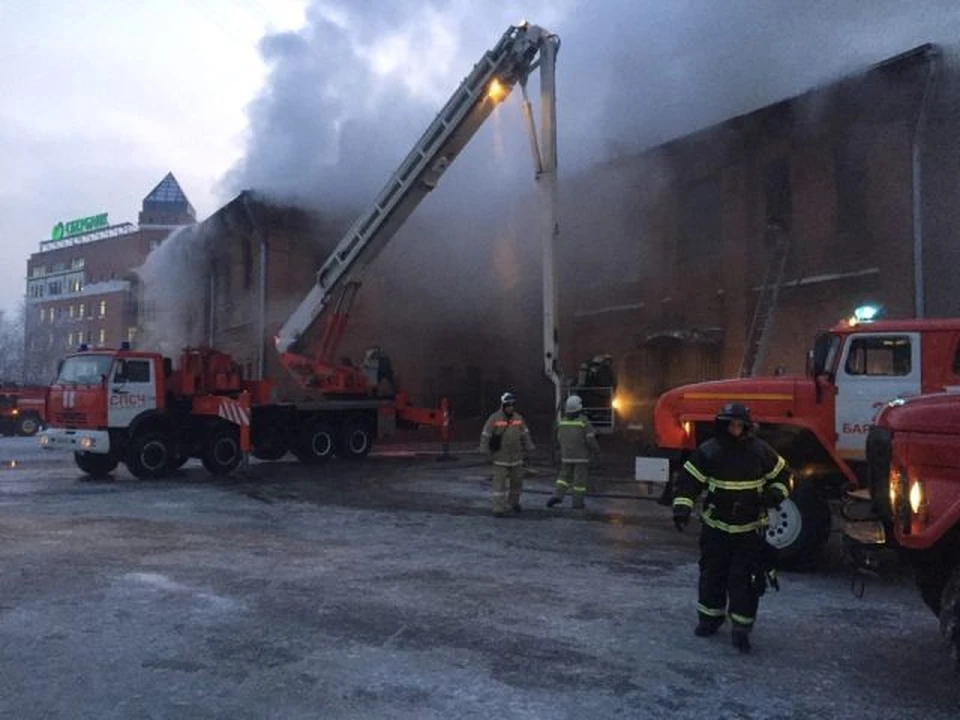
point(931, 582)
point(221, 453)
point(270, 453)
point(800, 528)
point(317, 443)
point(356, 437)
point(149, 455)
point(950, 615)
point(269, 443)
point(96, 464)
point(28, 425)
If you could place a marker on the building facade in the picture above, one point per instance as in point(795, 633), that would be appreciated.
point(81, 287)
point(850, 188)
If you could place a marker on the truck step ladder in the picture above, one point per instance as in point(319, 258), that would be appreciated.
point(761, 328)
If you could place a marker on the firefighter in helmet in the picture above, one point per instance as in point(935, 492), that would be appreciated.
point(742, 477)
point(578, 441)
point(506, 438)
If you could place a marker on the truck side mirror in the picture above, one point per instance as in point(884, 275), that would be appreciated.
point(59, 367)
point(811, 365)
point(120, 374)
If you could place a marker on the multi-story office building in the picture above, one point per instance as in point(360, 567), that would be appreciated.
point(81, 284)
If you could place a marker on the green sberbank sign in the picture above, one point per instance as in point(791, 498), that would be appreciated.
point(77, 227)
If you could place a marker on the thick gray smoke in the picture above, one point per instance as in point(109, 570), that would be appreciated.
point(173, 292)
point(349, 93)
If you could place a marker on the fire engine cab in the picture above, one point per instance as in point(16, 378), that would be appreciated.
point(819, 423)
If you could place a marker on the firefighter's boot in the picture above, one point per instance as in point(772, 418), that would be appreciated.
point(707, 626)
point(741, 639)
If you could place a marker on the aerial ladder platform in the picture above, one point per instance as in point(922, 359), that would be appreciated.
point(521, 50)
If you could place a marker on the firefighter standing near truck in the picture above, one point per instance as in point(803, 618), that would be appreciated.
point(742, 476)
point(506, 438)
point(578, 441)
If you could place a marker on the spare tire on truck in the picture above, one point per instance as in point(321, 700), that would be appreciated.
point(800, 527)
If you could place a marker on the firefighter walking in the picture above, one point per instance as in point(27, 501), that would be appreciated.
point(578, 441)
point(506, 438)
point(742, 476)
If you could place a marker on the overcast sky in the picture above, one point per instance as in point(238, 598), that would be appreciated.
point(100, 98)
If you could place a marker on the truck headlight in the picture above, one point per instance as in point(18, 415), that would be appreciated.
point(916, 497)
point(900, 499)
point(893, 489)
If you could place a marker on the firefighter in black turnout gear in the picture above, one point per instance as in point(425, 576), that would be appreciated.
point(742, 476)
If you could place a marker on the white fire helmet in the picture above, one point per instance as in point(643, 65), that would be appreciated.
point(574, 404)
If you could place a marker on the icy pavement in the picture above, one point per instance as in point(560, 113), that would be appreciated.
point(385, 589)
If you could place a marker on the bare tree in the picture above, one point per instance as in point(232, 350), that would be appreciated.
point(11, 346)
point(45, 345)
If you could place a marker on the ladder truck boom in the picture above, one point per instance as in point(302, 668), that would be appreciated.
point(520, 51)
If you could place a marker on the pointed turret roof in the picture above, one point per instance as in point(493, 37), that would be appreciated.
point(168, 197)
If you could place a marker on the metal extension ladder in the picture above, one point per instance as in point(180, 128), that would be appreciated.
point(761, 328)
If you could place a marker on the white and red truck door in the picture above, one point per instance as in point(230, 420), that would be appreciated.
point(132, 389)
point(874, 369)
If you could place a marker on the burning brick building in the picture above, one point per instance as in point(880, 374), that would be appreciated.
point(231, 282)
point(850, 189)
point(81, 286)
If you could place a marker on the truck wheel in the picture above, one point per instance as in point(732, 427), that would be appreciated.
point(950, 615)
point(269, 444)
point(27, 426)
point(317, 443)
point(95, 464)
point(800, 528)
point(356, 437)
point(222, 453)
point(149, 455)
point(931, 582)
point(178, 458)
point(270, 453)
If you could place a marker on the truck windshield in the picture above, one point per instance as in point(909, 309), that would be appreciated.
point(84, 369)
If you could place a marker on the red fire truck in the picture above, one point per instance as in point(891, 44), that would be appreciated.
point(22, 409)
point(819, 423)
point(144, 410)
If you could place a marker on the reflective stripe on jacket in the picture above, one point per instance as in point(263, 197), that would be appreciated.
point(733, 474)
point(514, 436)
point(577, 439)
